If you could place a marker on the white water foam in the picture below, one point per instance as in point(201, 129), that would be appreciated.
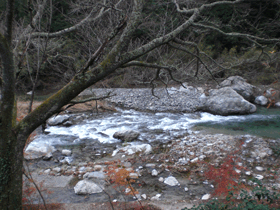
point(152, 126)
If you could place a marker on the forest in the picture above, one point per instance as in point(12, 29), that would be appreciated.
point(46, 63)
point(61, 48)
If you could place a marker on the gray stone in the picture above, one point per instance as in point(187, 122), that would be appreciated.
point(150, 165)
point(259, 168)
point(240, 85)
point(127, 135)
point(84, 187)
point(156, 197)
point(35, 151)
point(226, 101)
point(98, 167)
point(57, 169)
point(133, 176)
point(144, 196)
point(95, 174)
point(57, 120)
point(259, 177)
point(206, 197)
point(66, 152)
point(261, 100)
point(154, 172)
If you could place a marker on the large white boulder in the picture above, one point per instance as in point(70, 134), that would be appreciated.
point(226, 101)
point(240, 85)
point(84, 187)
point(35, 151)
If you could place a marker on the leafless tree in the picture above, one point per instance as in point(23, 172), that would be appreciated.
point(116, 49)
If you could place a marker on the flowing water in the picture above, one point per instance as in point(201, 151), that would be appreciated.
point(263, 123)
point(160, 126)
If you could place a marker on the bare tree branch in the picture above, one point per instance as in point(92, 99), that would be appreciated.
point(108, 95)
point(235, 34)
point(35, 19)
point(90, 62)
point(94, 98)
point(204, 64)
point(169, 69)
point(76, 26)
point(204, 6)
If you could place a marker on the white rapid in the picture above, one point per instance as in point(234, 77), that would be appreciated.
point(152, 126)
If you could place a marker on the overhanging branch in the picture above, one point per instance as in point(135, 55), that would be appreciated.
point(169, 69)
point(235, 34)
point(198, 57)
point(94, 98)
point(76, 26)
point(204, 6)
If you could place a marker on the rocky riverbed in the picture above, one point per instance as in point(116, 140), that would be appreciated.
point(168, 172)
point(172, 171)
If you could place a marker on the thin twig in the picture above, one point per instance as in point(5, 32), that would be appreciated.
point(33, 182)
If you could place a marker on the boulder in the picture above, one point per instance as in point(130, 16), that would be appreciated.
point(240, 85)
point(84, 187)
point(57, 120)
point(35, 151)
point(226, 101)
point(261, 100)
point(127, 135)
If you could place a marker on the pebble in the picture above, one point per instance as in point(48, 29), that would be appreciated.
point(206, 197)
point(161, 179)
point(56, 169)
point(194, 160)
point(47, 171)
point(82, 164)
point(259, 168)
point(248, 173)
point(97, 168)
point(82, 169)
point(237, 171)
point(259, 177)
point(66, 152)
point(144, 196)
point(154, 172)
point(171, 181)
point(133, 175)
point(127, 190)
point(150, 165)
point(156, 197)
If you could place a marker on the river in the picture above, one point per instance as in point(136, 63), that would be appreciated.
point(160, 126)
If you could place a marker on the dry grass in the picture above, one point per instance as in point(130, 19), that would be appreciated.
point(102, 106)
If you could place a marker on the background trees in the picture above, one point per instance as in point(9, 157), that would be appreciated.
point(99, 39)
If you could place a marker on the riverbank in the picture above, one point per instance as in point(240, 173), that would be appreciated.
point(184, 157)
point(166, 167)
